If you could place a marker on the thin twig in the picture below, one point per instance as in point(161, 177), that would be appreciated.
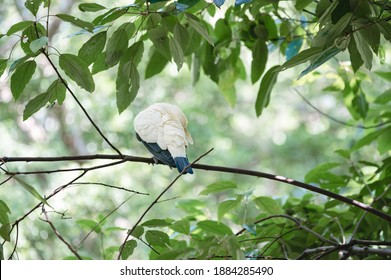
point(16, 240)
point(101, 221)
point(337, 120)
point(276, 239)
point(110, 186)
point(59, 189)
point(58, 234)
point(130, 232)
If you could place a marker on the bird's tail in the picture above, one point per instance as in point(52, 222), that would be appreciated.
point(181, 163)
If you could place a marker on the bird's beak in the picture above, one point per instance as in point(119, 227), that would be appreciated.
point(188, 137)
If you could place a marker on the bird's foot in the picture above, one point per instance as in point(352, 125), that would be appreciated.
point(155, 160)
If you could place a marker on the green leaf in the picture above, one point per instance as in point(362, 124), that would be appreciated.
point(384, 75)
point(159, 38)
point(19, 27)
point(77, 70)
point(91, 49)
point(369, 138)
point(226, 206)
point(35, 104)
point(182, 36)
point(4, 221)
point(89, 225)
point(371, 34)
point(226, 85)
point(91, 7)
point(134, 53)
point(33, 6)
point(128, 249)
point(214, 228)
point(218, 187)
point(325, 16)
point(301, 4)
point(176, 52)
point(17, 62)
point(57, 91)
point(21, 77)
point(157, 238)
point(156, 223)
point(385, 97)
point(268, 205)
point(260, 54)
point(360, 105)
point(127, 84)
point(385, 29)
point(313, 175)
point(384, 142)
point(181, 226)
point(5, 231)
point(337, 29)
point(39, 43)
point(363, 49)
point(116, 46)
point(302, 57)
point(222, 32)
point(76, 21)
point(109, 16)
point(155, 65)
point(99, 64)
point(321, 59)
point(31, 34)
point(355, 56)
point(343, 153)
point(138, 231)
point(265, 89)
point(174, 254)
point(194, 22)
point(30, 189)
point(3, 65)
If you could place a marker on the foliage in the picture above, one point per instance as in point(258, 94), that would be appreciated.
point(141, 39)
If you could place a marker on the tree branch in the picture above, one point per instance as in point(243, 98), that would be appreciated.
point(224, 169)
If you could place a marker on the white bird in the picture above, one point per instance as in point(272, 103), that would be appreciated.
point(162, 129)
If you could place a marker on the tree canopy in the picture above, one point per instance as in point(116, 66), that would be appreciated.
point(83, 71)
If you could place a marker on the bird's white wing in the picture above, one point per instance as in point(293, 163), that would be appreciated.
point(149, 126)
point(175, 137)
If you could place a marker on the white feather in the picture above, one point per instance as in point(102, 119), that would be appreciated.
point(164, 124)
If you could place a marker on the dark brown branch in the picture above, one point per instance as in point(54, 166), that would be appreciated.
point(224, 169)
point(355, 250)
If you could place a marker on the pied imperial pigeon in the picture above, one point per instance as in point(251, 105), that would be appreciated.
point(162, 129)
